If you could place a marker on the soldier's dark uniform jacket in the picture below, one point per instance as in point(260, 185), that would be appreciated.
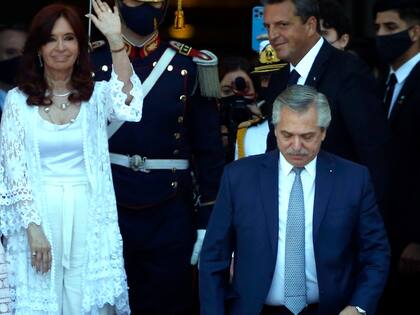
point(177, 123)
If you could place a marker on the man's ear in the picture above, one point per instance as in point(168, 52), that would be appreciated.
point(343, 41)
point(414, 33)
point(311, 24)
point(323, 133)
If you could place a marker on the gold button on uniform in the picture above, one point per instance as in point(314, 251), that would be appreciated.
point(176, 152)
point(180, 119)
point(177, 135)
point(184, 72)
point(174, 184)
point(183, 98)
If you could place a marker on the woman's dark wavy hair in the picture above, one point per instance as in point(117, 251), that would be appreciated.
point(31, 74)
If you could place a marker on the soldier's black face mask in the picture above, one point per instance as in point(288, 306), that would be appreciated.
point(390, 47)
point(143, 19)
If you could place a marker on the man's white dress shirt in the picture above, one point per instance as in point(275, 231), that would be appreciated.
point(401, 74)
point(286, 177)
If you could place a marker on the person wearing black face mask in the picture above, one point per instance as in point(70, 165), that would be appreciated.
point(152, 161)
point(398, 43)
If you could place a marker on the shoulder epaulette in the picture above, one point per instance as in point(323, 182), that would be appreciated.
point(199, 56)
point(206, 61)
point(96, 44)
point(250, 123)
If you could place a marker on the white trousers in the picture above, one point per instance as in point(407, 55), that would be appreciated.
point(68, 211)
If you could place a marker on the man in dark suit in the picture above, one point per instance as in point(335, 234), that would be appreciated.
point(303, 225)
point(398, 40)
point(358, 131)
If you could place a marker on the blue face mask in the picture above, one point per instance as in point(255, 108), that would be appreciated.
point(390, 47)
point(143, 19)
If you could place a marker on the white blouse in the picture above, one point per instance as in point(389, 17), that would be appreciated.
point(61, 148)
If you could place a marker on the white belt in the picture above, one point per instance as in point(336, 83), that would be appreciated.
point(139, 163)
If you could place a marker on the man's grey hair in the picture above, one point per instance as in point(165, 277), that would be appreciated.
point(300, 98)
point(304, 8)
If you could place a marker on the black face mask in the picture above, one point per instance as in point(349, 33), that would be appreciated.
point(142, 19)
point(390, 47)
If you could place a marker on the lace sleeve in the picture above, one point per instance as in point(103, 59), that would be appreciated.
point(17, 207)
point(113, 98)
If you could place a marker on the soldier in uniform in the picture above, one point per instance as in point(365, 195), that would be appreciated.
point(152, 161)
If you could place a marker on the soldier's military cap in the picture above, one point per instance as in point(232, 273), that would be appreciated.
point(268, 60)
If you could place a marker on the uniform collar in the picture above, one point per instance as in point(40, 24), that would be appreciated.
point(145, 50)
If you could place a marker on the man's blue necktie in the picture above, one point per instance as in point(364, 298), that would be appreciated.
point(293, 77)
point(294, 277)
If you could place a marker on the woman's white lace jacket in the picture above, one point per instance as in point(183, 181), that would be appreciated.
point(22, 200)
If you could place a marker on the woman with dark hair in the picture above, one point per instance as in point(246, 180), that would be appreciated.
point(57, 204)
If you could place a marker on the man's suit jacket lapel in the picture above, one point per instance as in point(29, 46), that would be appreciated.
point(324, 183)
point(269, 183)
point(320, 64)
point(411, 83)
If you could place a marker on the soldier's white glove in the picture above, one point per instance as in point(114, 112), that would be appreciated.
point(195, 257)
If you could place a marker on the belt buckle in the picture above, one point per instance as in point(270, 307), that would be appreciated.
point(137, 163)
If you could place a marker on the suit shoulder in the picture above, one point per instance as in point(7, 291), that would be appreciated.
point(247, 163)
point(414, 77)
point(349, 62)
point(344, 164)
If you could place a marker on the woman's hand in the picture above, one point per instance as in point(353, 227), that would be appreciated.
point(108, 22)
point(40, 248)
